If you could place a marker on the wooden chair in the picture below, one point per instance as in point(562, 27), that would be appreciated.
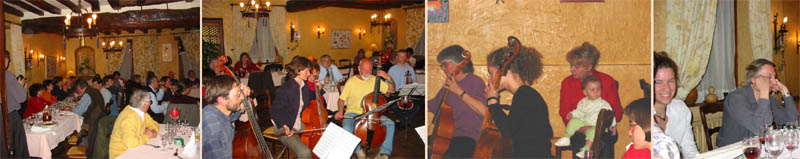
point(345, 63)
point(710, 108)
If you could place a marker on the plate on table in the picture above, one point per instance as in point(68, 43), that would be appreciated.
point(48, 124)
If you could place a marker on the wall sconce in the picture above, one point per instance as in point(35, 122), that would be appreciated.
point(779, 34)
point(360, 32)
point(291, 32)
point(61, 59)
point(41, 57)
point(320, 31)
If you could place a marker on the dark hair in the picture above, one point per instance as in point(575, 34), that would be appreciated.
point(589, 79)
point(361, 51)
point(108, 78)
point(639, 111)
point(164, 79)
point(97, 79)
point(57, 79)
point(218, 86)
point(34, 89)
point(527, 63)
point(755, 66)
point(116, 73)
point(453, 53)
point(46, 83)
point(179, 86)
point(297, 64)
point(585, 54)
point(250, 60)
point(151, 79)
point(661, 60)
point(81, 84)
point(409, 51)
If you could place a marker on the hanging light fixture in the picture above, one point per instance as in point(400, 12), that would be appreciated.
point(255, 8)
point(377, 22)
point(84, 28)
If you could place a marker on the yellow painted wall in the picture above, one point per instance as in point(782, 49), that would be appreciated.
point(49, 45)
point(332, 18)
point(791, 73)
point(619, 29)
point(238, 37)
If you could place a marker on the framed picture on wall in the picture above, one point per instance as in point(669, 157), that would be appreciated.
point(340, 39)
point(166, 52)
point(438, 11)
point(51, 67)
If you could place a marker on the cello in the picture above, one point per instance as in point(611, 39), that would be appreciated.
point(491, 143)
point(315, 118)
point(369, 128)
point(249, 139)
point(443, 120)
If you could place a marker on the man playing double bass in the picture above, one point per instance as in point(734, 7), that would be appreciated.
point(354, 92)
point(466, 98)
point(223, 106)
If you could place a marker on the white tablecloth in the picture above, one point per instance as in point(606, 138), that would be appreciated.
point(150, 152)
point(736, 150)
point(40, 144)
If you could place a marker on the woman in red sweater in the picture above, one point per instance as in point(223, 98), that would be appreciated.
point(245, 66)
point(35, 103)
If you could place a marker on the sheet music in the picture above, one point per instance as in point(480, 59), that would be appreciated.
point(336, 143)
point(423, 134)
point(418, 89)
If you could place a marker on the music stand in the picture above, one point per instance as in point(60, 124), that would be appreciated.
point(414, 89)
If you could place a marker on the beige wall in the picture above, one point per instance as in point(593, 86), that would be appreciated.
point(619, 29)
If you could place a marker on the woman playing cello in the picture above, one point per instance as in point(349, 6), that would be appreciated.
point(294, 96)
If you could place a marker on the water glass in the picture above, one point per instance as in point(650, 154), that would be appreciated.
point(774, 144)
point(791, 141)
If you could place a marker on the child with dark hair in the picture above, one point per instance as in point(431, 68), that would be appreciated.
point(639, 113)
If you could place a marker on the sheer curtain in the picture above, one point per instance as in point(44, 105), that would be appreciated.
point(263, 46)
point(689, 33)
point(760, 29)
point(719, 72)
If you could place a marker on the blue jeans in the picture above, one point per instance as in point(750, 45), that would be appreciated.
point(386, 147)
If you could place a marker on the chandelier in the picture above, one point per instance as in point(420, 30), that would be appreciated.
point(86, 25)
point(375, 21)
point(255, 8)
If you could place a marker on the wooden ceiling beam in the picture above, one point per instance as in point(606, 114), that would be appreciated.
point(70, 5)
point(27, 7)
point(45, 6)
point(125, 21)
point(12, 11)
point(95, 5)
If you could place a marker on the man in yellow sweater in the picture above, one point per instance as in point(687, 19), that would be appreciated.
point(133, 126)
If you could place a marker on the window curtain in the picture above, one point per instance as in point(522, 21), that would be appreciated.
point(760, 29)
point(689, 34)
point(719, 72)
point(263, 48)
point(15, 48)
point(125, 69)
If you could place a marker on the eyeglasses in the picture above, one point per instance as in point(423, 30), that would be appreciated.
point(769, 77)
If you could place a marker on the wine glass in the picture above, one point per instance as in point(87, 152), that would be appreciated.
point(764, 131)
point(774, 143)
point(791, 140)
point(165, 140)
point(751, 147)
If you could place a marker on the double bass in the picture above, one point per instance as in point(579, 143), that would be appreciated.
point(248, 141)
point(369, 128)
point(491, 143)
point(314, 118)
point(442, 128)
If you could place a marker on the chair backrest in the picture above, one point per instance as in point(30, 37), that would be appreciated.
point(345, 63)
point(705, 109)
point(602, 132)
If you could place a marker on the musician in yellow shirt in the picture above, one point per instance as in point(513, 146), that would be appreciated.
point(133, 127)
point(354, 91)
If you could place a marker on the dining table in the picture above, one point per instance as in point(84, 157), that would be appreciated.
point(154, 149)
point(43, 137)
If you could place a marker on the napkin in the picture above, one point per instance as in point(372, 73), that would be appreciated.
point(730, 151)
point(38, 129)
point(191, 148)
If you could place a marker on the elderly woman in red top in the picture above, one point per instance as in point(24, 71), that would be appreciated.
point(35, 103)
point(245, 65)
point(582, 61)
